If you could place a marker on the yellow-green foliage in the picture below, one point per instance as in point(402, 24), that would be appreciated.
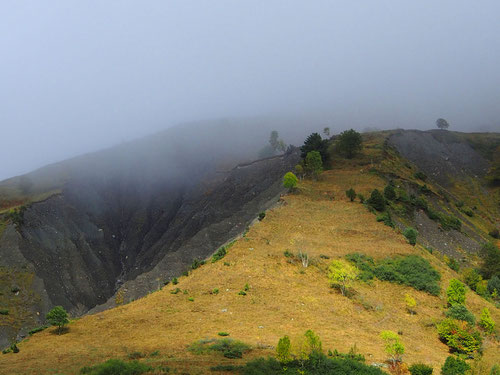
point(342, 273)
point(283, 350)
point(393, 345)
point(455, 292)
point(410, 303)
point(486, 322)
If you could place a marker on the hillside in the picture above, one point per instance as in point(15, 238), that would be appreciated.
point(285, 298)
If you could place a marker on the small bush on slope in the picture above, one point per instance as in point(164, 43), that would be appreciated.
point(455, 292)
point(319, 365)
point(460, 312)
point(454, 366)
point(420, 369)
point(459, 336)
point(411, 270)
point(116, 367)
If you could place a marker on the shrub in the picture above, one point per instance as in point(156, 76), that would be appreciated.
point(58, 317)
point(222, 251)
point(454, 366)
point(197, 264)
point(290, 181)
point(460, 312)
point(4, 312)
point(486, 322)
point(376, 200)
point(471, 278)
point(223, 334)
point(116, 367)
point(283, 350)
point(455, 292)
point(14, 348)
point(490, 255)
point(410, 304)
point(450, 222)
point(494, 285)
point(420, 369)
point(459, 336)
point(495, 370)
point(349, 143)
point(351, 194)
point(175, 291)
point(420, 175)
point(411, 270)
point(482, 288)
point(262, 215)
point(386, 219)
point(361, 198)
point(389, 192)
point(228, 347)
point(342, 273)
point(38, 329)
point(364, 263)
point(453, 264)
point(411, 235)
point(175, 281)
point(494, 233)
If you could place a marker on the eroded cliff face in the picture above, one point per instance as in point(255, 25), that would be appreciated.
point(104, 230)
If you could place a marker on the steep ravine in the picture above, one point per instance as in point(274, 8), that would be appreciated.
point(87, 241)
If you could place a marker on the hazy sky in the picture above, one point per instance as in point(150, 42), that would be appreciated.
point(76, 76)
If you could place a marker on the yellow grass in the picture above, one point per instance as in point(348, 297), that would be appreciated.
point(284, 298)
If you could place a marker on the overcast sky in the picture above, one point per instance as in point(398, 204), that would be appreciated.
point(76, 76)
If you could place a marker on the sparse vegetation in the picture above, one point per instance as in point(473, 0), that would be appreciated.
point(229, 348)
point(351, 194)
point(222, 251)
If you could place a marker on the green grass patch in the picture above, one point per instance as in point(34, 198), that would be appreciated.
point(116, 367)
point(228, 347)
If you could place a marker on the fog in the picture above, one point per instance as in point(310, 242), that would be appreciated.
point(78, 76)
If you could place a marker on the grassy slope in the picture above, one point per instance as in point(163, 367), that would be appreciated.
point(284, 298)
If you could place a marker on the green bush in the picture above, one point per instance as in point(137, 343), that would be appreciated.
point(116, 367)
point(38, 329)
point(58, 317)
point(197, 264)
point(223, 334)
point(411, 235)
point(376, 200)
point(453, 264)
point(411, 270)
point(494, 285)
point(490, 255)
point(222, 251)
point(460, 312)
point(454, 366)
point(420, 175)
point(364, 263)
point(450, 222)
point(486, 322)
point(351, 194)
point(361, 198)
point(175, 291)
point(317, 365)
point(290, 181)
point(420, 369)
point(389, 192)
point(262, 215)
point(455, 292)
point(459, 336)
point(4, 312)
point(472, 278)
point(386, 219)
point(228, 347)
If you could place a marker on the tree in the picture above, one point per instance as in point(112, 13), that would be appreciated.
point(314, 164)
point(393, 346)
point(454, 366)
point(376, 200)
point(290, 181)
point(342, 273)
point(455, 292)
point(486, 322)
point(273, 140)
point(490, 255)
point(351, 194)
point(314, 142)
point(441, 123)
point(58, 317)
point(283, 350)
point(326, 131)
point(349, 143)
